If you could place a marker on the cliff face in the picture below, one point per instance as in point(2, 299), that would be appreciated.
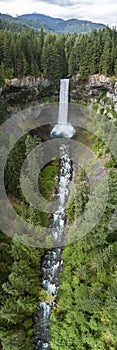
point(96, 82)
point(31, 88)
point(28, 82)
point(93, 86)
point(90, 90)
point(26, 89)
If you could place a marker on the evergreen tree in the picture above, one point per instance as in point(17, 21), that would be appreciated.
point(28, 53)
point(83, 318)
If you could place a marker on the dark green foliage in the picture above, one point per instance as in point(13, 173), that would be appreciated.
point(90, 53)
point(114, 114)
point(101, 95)
point(78, 198)
point(21, 293)
point(5, 264)
point(3, 111)
point(54, 56)
point(95, 107)
point(20, 289)
point(6, 261)
point(47, 179)
point(111, 163)
point(14, 163)
point(86, 317)
point(20, 267)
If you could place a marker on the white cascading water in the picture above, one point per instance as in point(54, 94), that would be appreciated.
point(52, 262)
point(63, 128)
point(63, 105)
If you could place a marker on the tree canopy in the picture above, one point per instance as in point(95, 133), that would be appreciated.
point(54, 56)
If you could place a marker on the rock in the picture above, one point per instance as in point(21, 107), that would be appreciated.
point(110, 115)
point(30, 88)
point(115, 107)
point(97, 80)
point(29, 81)
point(27, 89)
point(112, 96)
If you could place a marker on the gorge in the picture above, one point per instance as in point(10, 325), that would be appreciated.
point(52, 262)
point(58, 268)
point(50, 333)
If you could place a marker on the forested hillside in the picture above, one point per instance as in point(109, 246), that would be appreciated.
point(84, 316)
point(54, 56)
point(51, 24)
point(20, 265)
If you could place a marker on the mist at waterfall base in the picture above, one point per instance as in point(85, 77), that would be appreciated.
point(63, 128)
point(52, 262)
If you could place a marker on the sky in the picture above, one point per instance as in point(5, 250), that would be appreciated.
point(101, 11)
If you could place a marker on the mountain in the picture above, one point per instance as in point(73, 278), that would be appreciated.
point(19, 21)
point(57, 25)
point(34, 24)
point(53, 23)
point(5, 17)
point(9, 23)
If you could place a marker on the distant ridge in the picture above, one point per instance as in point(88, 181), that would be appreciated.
point(56, 25)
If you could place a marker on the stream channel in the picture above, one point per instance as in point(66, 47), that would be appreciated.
point(51, 264)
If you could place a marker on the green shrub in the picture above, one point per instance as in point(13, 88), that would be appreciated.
point(108, 109)
point(99, 154)
point(47, 179)
point(105, 99)
point(95, 107)
point(102, 110)
point(111, 163)
point(114, 114)
point(101, 95)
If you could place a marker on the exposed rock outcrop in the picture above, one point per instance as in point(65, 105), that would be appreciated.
point(29, 81)
point(26, 89)
point(99, 81)
point(30, 88)
point(88, 90)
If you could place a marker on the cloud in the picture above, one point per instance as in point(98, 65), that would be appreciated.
point(103, 12)
point(96, 11)
point(6, 0)
point(67, 3)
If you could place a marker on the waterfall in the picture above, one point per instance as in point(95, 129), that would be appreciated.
point(63, 101)
point(52, 262)
point(63, 128)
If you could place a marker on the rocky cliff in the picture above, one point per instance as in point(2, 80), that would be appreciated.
point(26, 89)
point(31, 88)
point(92, 87)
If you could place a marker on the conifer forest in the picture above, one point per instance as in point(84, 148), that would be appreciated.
point(84, 311)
